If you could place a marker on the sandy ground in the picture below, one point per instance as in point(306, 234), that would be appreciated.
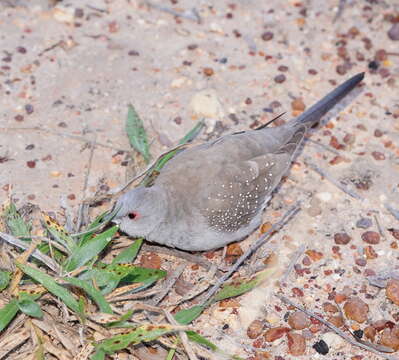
point(69, 70)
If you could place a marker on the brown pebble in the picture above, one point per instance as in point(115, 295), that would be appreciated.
point(371, 237)
point(71, 197)
point(30, 147)
point(283, 68)
point(336, 320)
point(178, 120)
point(341, 69)
point(349, 139)
point(370, 252)
point(192, 46)
point(312, 72)
point(255, 329)
point(329, 307)
point(394, 233)
point(133, 53)
point(356, 309)
point(298, 105)
point(233, 252)
point(298, 320)
point(392, 291)
point(279, 78)
point(370, 332)
point(208, 71)
point(390, 338)
point(19, 118)
point(378, 133)
point(359, 56)
point(381, 55)
point(297, 292)
point(21, 50)
point(361, 262)
point(382, 324)
point(273, 334)
point(393, 32)
point(248, 101)
point(353, 31)
point(267, 35)
point(31, 197)
point(342, 238)
point(31, 164)
point(296, 344)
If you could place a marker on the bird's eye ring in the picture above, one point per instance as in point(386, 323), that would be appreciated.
point(132, 215)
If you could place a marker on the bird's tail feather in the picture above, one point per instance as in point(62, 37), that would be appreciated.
point(315, 112)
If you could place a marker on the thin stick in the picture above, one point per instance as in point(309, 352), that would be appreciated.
point(85, 184)
point(333, 181)
point(168, 284)
point(335, 329)
point(292, 263)
point(36, 254)
point(183, 337)
point(254, 246)
point(393, 211)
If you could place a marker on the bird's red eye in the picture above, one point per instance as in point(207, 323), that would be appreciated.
point(132, 215)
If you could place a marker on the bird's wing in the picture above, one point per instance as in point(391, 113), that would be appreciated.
point(240, 189)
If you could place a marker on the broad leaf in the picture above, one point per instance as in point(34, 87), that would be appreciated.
point(186, 316)
point(137, 134)
point(7, 313)
point(4, 279)
point(129, 254)
point(29, 307)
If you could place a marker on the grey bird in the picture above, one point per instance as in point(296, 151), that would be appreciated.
point(214, 193)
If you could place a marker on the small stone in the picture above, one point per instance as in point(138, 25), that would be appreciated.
point(370, 253)
point(378, 155)
point(370, 332)
point(296, 344)
point(334, 341)
point(266, 36)
point(341, 69)
point(392, 291)
point(19, 118)
point(364, 223)
point(321, 347)
point(337, 320)
point(133, 53)
point(30, 147)
point(280, 78)
point(390, 338)
point(297, 292)
point(382, 324)
point(394, 233)
point(329, 307)
point(31, 164)
point(283, 68)
point(275, 333)
point(255, 329)
point(29, 109)
point(298, 105)
point(371, 237)
point(177, 120)
point(21, 50)
point(381, 55)
point(208, 71)
point(373, 65)
point(356, 309)
point(393, 32)
point(71, 197)
point(342, 238)
point(298, 320)
point(233, 252)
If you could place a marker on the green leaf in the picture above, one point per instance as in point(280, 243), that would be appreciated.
point(121, 322)
point(105, 280)
point(142, 333)
point(58, 232)
point(92, 292)
point(29, 307)
point(15, 222)
point(49, 283)
point(4, 279)
point(88, 233)
point(98, 355)
point(137, 134)
point(129, 254)
point(90, 249)
point(186, 316)
point(241, 285)
point(193, 133)
point(7, 313)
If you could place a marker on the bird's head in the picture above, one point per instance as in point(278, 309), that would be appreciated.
point(140, 211)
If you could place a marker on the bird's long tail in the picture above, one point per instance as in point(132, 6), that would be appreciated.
point(315, 112)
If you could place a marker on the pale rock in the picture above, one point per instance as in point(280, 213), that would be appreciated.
point(334, 341)
point(205, 103)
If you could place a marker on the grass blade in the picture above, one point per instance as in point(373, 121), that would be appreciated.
point(7, 313)
point(58, 232)
point(186, 316)
point(129, 254)
point(5, 277)
point(49, 283)
point(30, 307)
point(93, 293)
point(90, 249)
point(137, 134)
